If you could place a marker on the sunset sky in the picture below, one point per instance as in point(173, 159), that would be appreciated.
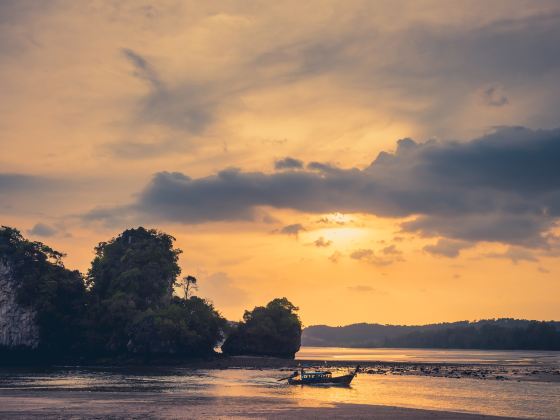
point(375, 161)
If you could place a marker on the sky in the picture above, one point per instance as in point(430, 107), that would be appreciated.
point(373, 161)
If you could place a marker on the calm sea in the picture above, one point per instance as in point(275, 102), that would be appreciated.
point(529, 399)
point(431, 355)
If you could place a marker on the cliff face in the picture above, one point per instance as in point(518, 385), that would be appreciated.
point(17, 323)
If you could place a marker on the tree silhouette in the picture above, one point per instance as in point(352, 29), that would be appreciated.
point(189, 283)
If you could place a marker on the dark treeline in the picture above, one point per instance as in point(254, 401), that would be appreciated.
point(125, 307)
point(488, 335)
point(496, 334)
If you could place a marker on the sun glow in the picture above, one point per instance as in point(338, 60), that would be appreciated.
point(343, 236)
point(336, 218)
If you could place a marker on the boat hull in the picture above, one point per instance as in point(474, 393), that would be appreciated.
point(339, 380)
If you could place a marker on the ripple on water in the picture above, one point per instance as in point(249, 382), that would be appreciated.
point(504, 398)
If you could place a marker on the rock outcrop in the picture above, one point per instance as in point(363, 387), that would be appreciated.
point(18, 327)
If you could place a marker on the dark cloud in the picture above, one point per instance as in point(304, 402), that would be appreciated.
point(17, 14)
point(502, 187)
point(391, 250)
point(30, 194)
point(523, 43)
point(447, 248)
point(453, 59)
point(334, 219)
point(322, 167)
point(361, 254)
point(515, 255)
point(143, 69)
point(523, 228)
point(13, 183)
point(368, 255)
point(494, 96)
point(335, 257)
point(434, 63)
point(294, 229)
point(190, 108)
point(288, 163)
point(186, 107)
point(322, 242)
point(41, 196)
point(42, 229)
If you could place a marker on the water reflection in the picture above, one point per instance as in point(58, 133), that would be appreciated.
point(511, 398)
point(430, 355)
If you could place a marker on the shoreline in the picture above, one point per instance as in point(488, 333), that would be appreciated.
point(136, 405)
point(251, 391)
point(483, 371)
point(480, 371)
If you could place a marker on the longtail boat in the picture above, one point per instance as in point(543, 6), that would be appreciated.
point(320, 378)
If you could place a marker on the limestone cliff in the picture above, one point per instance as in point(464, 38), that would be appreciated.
point(17, 323)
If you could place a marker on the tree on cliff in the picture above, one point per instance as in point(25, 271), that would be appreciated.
point(56, 294)
point(133, 310)
point(272, 330)
point(140, 263)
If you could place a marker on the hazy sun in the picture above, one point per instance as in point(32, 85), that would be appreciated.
point(342, 236)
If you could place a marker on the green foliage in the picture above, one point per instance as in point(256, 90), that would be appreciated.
point(186, 327)
point(133, 311)
point(126, 308)
point(273, 330)
point(504, 334)
point(44, 284)
point(139, 262)
point(534, 335)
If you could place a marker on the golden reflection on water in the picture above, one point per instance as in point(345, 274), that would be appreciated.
point(252, 389)
point(512, 398)
point(428, 355)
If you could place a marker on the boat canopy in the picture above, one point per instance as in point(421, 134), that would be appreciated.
point(316, 373)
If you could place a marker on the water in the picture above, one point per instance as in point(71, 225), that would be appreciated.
point(517, 399)
point(251, 389)
point(505, 357)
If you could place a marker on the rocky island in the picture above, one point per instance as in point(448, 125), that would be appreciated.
point(125, 309)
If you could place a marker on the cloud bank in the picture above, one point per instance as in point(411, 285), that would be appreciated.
point(42, 229)
point(502, 187)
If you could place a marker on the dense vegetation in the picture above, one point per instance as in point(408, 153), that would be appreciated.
point(533, 336)
point(125, 308)
point(511, 334)
point(274, 330)
point(132, 307)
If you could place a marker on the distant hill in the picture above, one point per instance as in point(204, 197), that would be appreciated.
point(504, 333)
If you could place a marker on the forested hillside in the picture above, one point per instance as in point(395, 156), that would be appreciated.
point(505, 333)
